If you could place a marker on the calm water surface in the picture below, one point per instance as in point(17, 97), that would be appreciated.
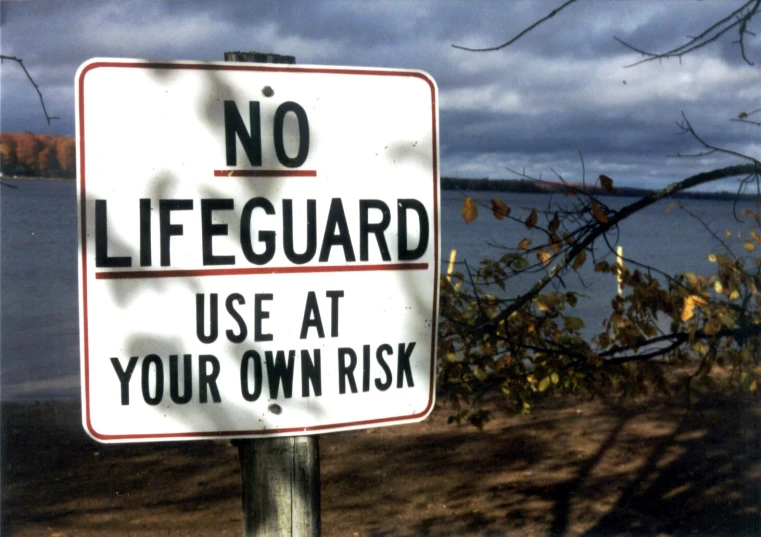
point(39, 339)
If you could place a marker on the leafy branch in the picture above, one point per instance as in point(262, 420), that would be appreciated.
point(585, 241)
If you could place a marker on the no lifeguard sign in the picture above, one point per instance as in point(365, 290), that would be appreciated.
point(259, 248)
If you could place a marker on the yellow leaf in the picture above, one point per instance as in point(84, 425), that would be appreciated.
point(754, 216)
point(727, 233)
point(599, 213)
point(607, 183)
point(756, 236)
point(451, 357)
point(734, 295)
point(688, 312)
point(499, 209)
point(544, 256)
point(718, 287)
point(544, 384)
point(469, 210)
point(524, 244)
point(691, 278)
point(578, 261)
point(532, 219)
point(749, 246)
point(556, 245)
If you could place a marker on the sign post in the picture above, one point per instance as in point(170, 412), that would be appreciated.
point(280, 477)
point(258, 252)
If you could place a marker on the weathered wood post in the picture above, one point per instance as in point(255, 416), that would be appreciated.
point(280, 476)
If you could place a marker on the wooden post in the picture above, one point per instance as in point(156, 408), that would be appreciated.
point(281, 486)
point(280, 476)
point(620, 269)
point(450, 268)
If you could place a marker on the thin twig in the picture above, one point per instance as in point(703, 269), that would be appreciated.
point(36, 87)
point(521, 34)
point(738, 18)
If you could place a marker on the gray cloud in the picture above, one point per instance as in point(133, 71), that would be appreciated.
point(560, 91)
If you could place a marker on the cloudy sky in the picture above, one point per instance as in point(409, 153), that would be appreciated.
point(562, 91)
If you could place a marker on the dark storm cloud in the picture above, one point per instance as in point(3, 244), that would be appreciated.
point(561, 91)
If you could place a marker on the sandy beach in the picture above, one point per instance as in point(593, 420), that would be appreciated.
point(651, 466)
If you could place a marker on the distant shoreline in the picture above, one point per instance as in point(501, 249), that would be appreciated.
point(526, 186)
point(520, 186)
point(25, 178)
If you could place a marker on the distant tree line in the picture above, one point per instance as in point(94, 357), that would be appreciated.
point(537, 186)
point(37, 155)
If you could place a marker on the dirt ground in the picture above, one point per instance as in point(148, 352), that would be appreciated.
point(649, 467)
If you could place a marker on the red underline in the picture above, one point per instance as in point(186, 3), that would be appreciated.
point(144, 274)
point(265, 173)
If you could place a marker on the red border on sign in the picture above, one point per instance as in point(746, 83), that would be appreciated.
point(147, 274)
point(265, 173)
point(248, 173)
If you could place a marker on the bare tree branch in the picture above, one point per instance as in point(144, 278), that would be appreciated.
point(674, 341)
point(687, 128)
point(742, 117)
point(739, 18)
point(36, 87)
point(521, 34)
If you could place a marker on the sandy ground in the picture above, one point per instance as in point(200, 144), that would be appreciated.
point(649, 467)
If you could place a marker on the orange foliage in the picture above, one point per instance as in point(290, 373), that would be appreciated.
point(37, 155)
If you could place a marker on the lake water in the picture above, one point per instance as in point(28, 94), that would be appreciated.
point(39, 339)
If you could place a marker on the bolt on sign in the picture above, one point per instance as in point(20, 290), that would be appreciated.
point(258, 249)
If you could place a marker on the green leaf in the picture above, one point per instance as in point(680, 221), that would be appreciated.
point(727, 320)
point(574, 323)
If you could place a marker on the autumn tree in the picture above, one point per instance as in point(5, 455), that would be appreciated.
point(66, 155)
point(528, 345)
point(48, 159)
point(37, 155)
point(28, 148)
point(8, 158)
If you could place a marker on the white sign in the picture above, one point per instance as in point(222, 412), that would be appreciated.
point(259, 248)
